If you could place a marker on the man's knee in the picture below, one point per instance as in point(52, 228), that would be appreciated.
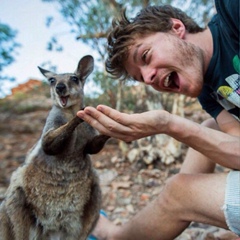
point(172, 197)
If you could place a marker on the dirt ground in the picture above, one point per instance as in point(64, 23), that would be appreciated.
point(126, 187)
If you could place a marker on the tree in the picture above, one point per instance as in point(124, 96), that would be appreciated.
point(8, 48)
point(90, 21)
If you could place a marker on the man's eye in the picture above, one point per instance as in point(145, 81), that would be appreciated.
point(144, 56)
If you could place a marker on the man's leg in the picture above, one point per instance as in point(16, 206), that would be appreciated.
point(185, 198)
point(195, 162)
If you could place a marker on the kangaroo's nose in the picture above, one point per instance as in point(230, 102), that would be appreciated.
point(61, 88)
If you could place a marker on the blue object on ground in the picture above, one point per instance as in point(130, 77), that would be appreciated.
point(91, 237)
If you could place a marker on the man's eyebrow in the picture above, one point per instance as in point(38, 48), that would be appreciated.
point(136, 53)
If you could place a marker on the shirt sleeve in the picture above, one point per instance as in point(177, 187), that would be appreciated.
point(229, 14)
point(209, 103)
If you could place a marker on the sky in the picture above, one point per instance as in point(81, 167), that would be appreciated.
point(28, 17)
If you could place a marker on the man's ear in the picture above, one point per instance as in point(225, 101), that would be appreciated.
point(178, 28)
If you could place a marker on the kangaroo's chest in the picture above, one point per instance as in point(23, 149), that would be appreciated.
point(56, 200)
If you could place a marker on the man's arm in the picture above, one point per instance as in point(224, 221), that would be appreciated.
point(221, 147)
point(228, 124)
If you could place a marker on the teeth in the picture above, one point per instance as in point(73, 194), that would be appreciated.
point(167, 81)
point(64, 101)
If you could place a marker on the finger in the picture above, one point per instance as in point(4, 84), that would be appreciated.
point(132, 122)
point(112, 119)
point(90, 117)
point(108, 120)
point(104, 124)
point(122, 118)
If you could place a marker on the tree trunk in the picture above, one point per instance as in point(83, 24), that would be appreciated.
point(119, 95)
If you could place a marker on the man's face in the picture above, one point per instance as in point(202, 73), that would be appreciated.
point(167, 63)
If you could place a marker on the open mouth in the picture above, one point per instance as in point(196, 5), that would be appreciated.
point(64, 100)
point(171, 81)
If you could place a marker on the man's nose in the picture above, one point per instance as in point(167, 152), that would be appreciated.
point(148, 75)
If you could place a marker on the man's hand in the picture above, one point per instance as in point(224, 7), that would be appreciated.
point(126, 127)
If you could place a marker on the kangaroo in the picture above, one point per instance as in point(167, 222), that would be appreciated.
point(55, 194)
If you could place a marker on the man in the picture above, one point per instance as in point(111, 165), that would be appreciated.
point(164, 48)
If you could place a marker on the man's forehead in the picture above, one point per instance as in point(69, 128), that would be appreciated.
point(137, 40)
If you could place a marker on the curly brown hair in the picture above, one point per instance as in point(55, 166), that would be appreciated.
point(149, 20)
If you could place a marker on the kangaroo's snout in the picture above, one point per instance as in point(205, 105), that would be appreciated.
point(61, 89)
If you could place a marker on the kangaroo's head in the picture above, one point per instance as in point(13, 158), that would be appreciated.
point(67, 88)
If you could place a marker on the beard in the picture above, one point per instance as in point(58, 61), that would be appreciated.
point(190, 59)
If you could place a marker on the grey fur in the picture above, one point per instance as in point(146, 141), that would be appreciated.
point(56, 194)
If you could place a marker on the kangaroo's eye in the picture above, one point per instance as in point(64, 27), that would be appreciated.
point(75, 79)
point(52, 80)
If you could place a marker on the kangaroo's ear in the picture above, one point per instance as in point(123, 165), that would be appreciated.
point(85, 67)
point(46, 73)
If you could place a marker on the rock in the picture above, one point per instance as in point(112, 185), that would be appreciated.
point(132, 155)
point(130, 208)
point(144, 197)
point(106, 176)
point(125, 185)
